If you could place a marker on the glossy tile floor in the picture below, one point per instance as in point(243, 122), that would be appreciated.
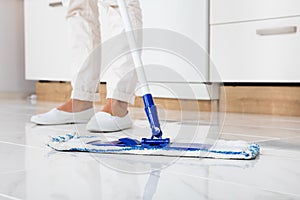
point(30, 170)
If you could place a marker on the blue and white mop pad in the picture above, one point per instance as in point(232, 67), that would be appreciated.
point(222, 149)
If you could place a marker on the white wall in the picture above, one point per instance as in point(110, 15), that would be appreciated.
point(12, 65)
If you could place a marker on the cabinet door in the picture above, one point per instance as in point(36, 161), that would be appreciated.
point(258, 51)
point(188, 18)
point(46, 41)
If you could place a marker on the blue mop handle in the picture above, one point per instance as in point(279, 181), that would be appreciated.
point(152, 115)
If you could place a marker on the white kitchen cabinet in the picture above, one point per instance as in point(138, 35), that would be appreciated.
point(47, 49)
point(249, 45)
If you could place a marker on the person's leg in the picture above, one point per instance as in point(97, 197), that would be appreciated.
point(121, 77)
point(84, 37)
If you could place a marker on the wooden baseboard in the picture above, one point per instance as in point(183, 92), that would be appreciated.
point(61, 91)
point(275, 100)
point(53, 91)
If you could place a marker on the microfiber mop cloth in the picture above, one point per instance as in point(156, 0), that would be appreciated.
point(222, 149)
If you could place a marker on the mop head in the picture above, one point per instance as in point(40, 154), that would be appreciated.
point(221, 149)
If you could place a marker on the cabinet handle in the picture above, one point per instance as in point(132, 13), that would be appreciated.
point(277, 31)
point(56, 4)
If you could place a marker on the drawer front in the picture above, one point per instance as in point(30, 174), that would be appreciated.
point(260, 51)
point(244, 10)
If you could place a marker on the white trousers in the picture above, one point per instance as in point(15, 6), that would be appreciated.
point(86, 32)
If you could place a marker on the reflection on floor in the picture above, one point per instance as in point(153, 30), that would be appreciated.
point(31, 170)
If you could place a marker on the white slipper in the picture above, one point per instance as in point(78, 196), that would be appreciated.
point(56, 117)
point(104, 122)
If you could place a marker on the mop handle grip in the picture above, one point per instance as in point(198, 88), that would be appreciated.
point(152, 116)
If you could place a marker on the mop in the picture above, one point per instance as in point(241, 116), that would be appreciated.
point(156, 145)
